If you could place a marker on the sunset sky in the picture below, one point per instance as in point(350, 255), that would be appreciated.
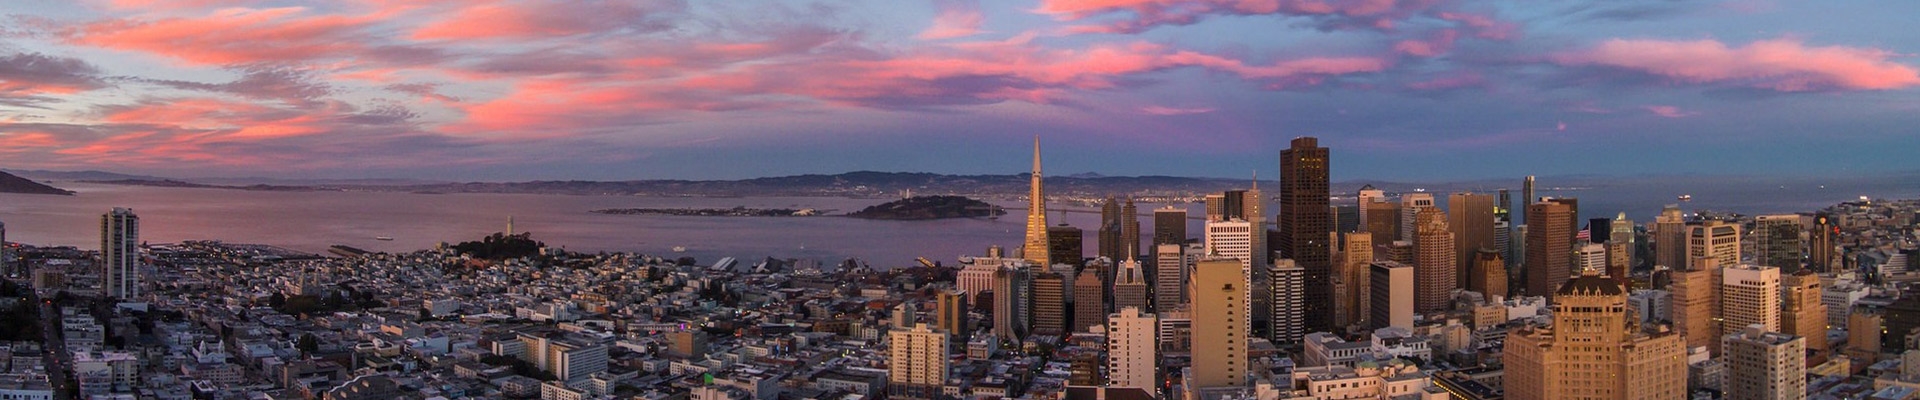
point(509, 90)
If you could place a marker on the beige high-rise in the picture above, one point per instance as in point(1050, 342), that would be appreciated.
point(1670, 238)
point(1750, 295)
point(1802, 312)
point(1132, 349)
point(1353, 284)
point(1696, 296)
point(1593, 351)
point(1489, 275)
point(1764, 365)
point(1719, 240)
point(916, 362)
point(1218, 293)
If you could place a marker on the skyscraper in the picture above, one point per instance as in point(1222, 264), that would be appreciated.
point(1089, 303)
point(1623, 230)
point(1670, 238)
point(950, 312)
point(1368, 195)
point(1169, 276)
point(1305, 225)
point(1234, 239)
point(1049, 304)
point(1169, 226)
point(1764, 365)
point(120, 254)
point(1410, 206)
point(1750, 295)
point(1802, 311)
point(1470, 218)
point(1220, 325)
point(1109, 234)
point(1035, 247)
point(1012, 289)
point(1355, 280)
point(1133, 349)
point(1489, 276)
point(1130, 286)
point(917, 363)
point(1592, 350)
point(1064, 246)
point(1433, 262)
point(1820, 246)
point(1288, 289)
point(1778, 239)
point(1391, 293)
point(1590, 257)
point(1695, 294)
point(1526, 197)
point(1717, 239)
point(1549, 247)
point(6, 253)
point(1383, 221)
point(1129, 229)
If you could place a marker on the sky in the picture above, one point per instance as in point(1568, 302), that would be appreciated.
point(652, 89)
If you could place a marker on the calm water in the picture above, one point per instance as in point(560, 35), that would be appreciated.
point(313, 221)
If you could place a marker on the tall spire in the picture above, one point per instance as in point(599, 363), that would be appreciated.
point(1035, 249)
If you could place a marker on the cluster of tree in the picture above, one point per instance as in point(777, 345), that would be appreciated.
point(22, 322)
point(336, 300)
point(500, 246)
point(520, 367)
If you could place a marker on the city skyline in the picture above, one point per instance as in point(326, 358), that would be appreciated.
point(666, 89)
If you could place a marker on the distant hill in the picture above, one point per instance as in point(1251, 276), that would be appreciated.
point(79, 175)
point(14, 184)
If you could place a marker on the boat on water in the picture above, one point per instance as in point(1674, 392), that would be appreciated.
point(383, 238)
point(679, 249)
point(1686, 197)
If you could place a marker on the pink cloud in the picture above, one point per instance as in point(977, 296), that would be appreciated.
point(1436, 44)
point(547, 19)
point(1452, 81)
point(956, 18)
point(1670, 111)
point(1146, 14)
point(1164, 110)
point(230, 36)
point(1780, 64)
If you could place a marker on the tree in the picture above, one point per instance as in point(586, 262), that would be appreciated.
point(308, 344)
point(425, 314)
point(277, 300)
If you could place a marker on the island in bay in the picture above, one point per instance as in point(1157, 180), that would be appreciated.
point(741, 211)
point(929, 207)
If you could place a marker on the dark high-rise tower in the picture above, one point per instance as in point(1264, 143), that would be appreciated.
point(1169, 226)
point(1306, 227)
point(1470, 217)
point(1111, 245)
point(1549, 246)
point(1064, 245)
point(1526, 198)
point(1129, 231)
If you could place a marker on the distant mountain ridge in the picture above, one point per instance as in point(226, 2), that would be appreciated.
point(15, 184)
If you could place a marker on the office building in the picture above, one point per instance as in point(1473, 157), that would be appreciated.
point(1089, 300)
point(1719, 240)
point(1750, 295)
point(1034, 249)
point(120, 254)
point(1012, 287)
point(1592, 350)
point(1352, 279)
point(1695, 295)
point(1489, 274)
point(1590, 257)
point(1111, 245)
point(1390, 295)
point(1549, 257)
point(1133, 349)
point(1219, 324)
point(950, 313)
point(1368, 195)
point(1383, 221)
point(1803, 311)
point(1623, 231)
point(1169, 276)
point(1765, 365)
point(1288, 283)
point(1670, 238)
point(1304, 225)
point(917, 363)
point(1410, 206)
point(1470, 218)
point(1049, 304)
point(1620, 261)
point(1064, 246)
point(1130, 286)
point(1778, 240)
point(1234, 239)
point(1169, 226)
point(1433, 263)
point(571, 357)
point(1129, 229)
point(1527, 197)
point(1820, 247)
